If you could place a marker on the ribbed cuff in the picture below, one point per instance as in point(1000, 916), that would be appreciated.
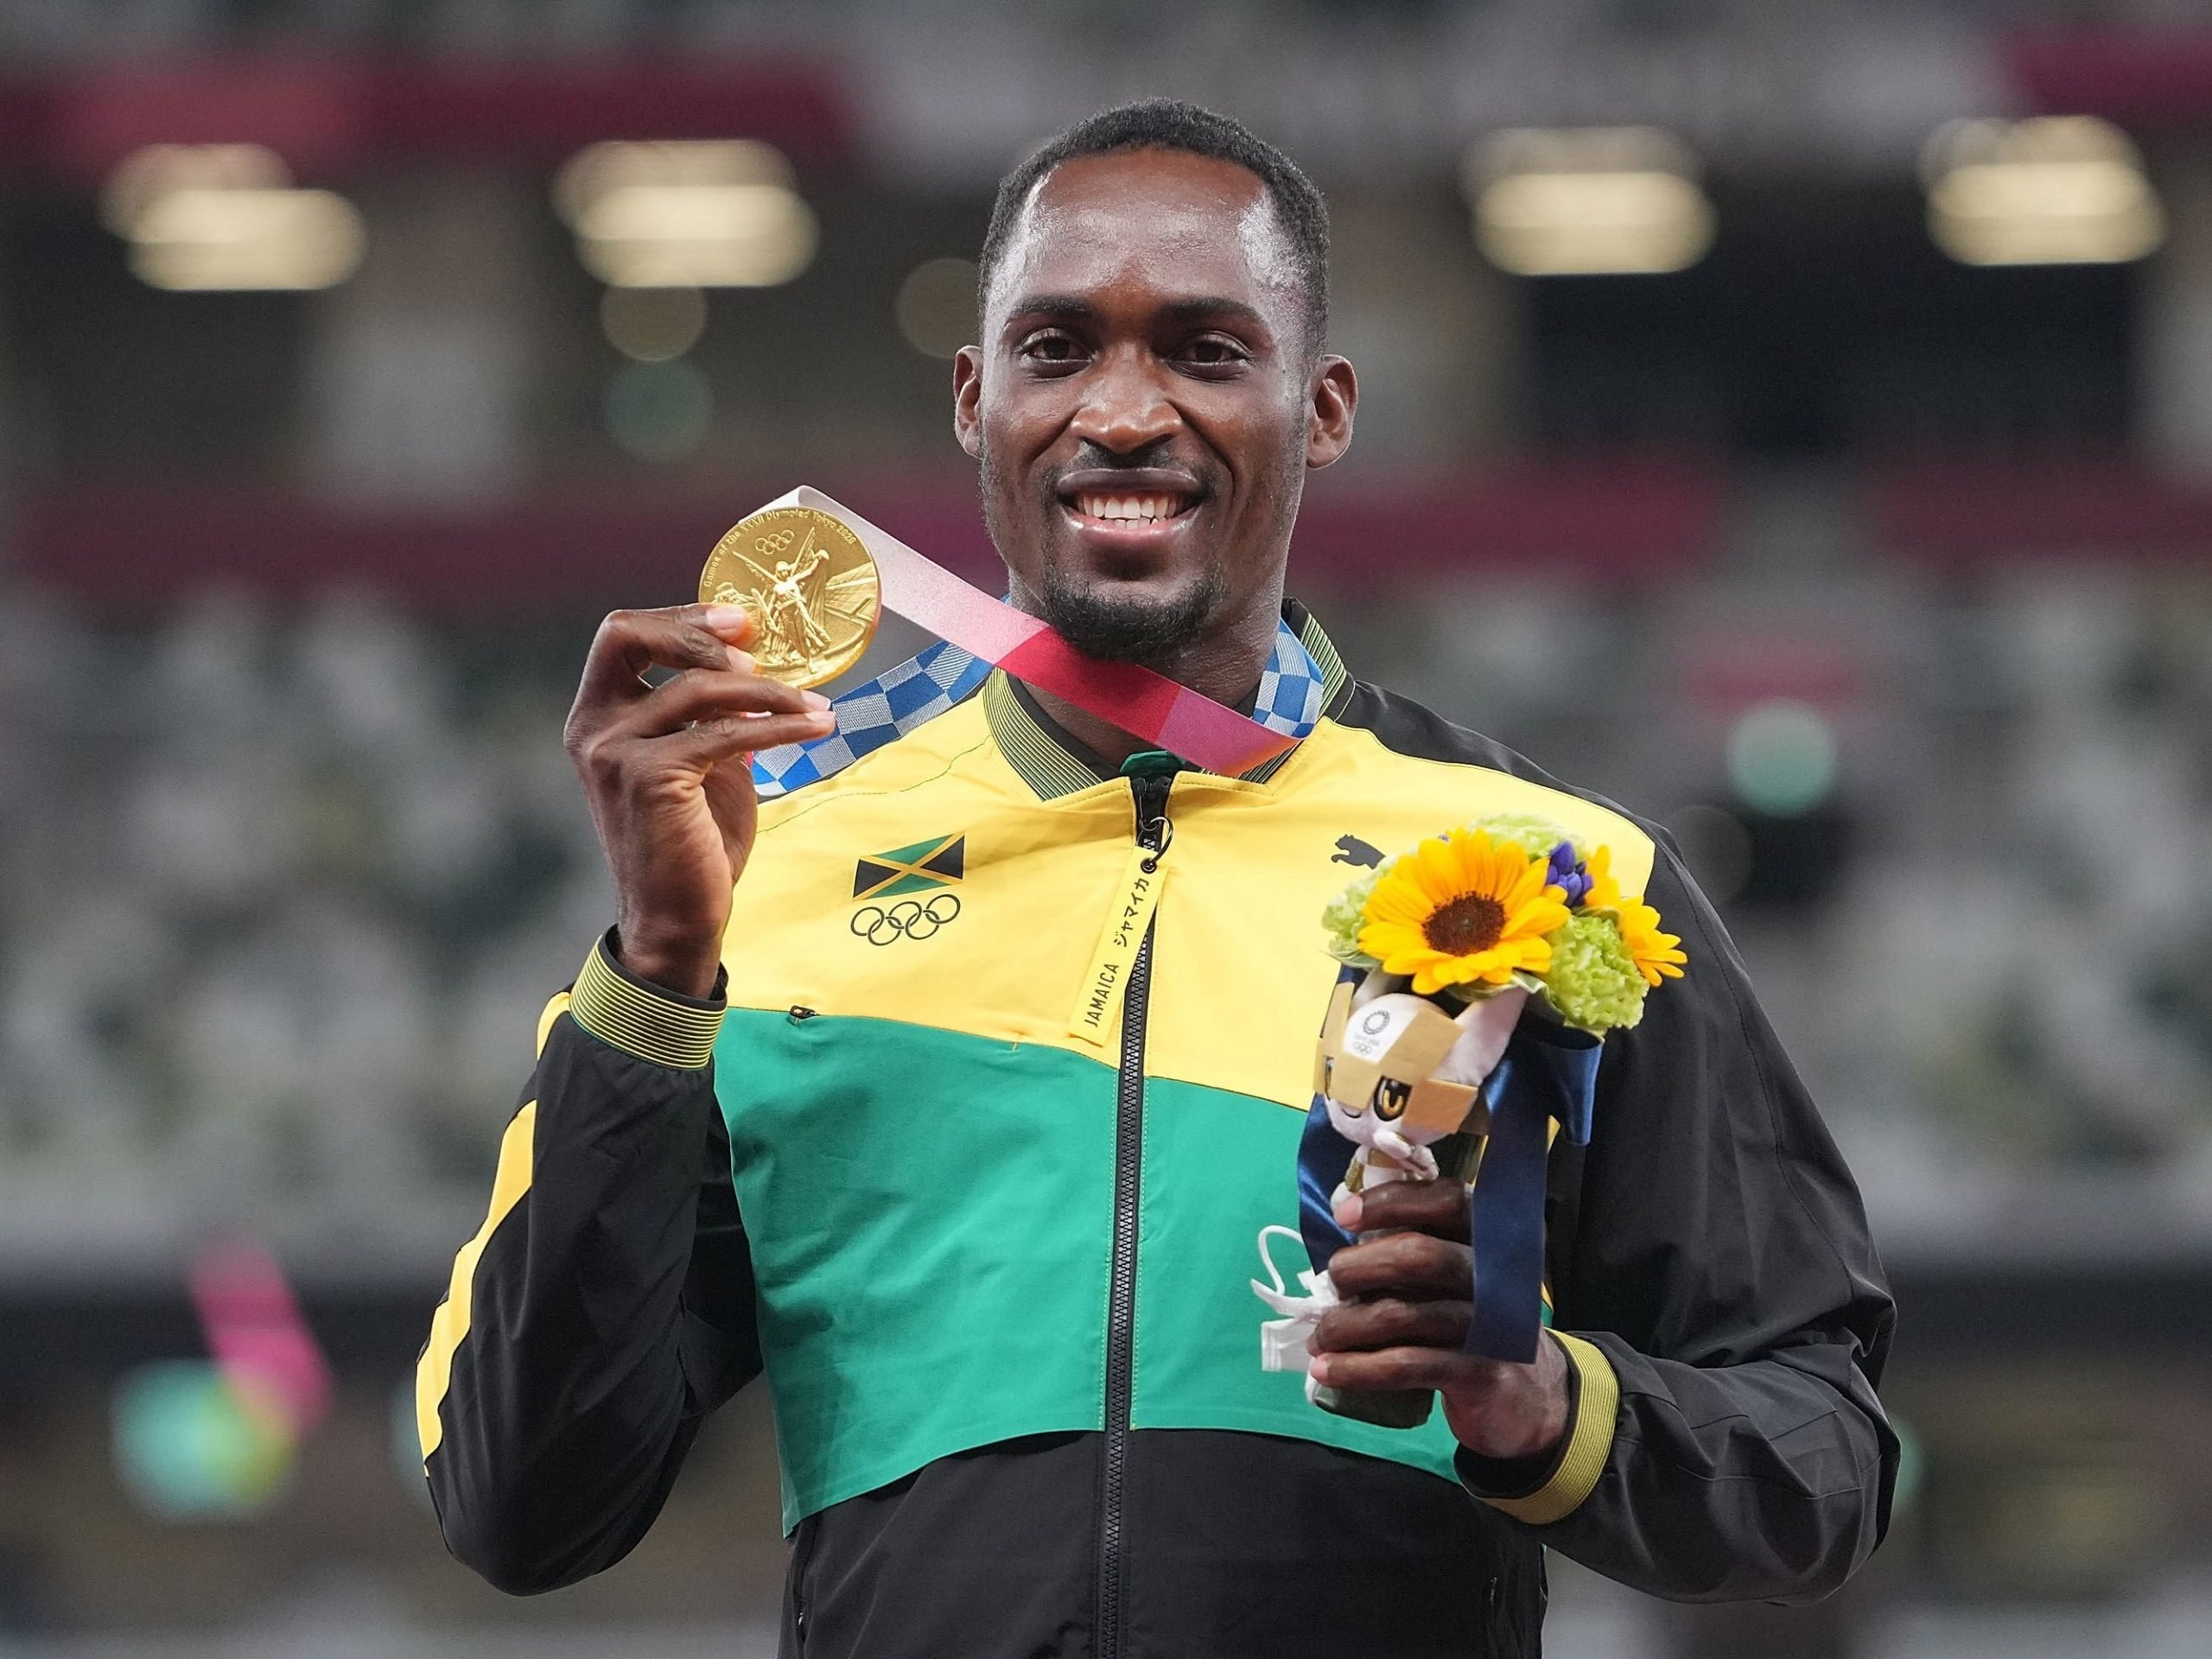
point(1595, 1404)
point(623, 1011)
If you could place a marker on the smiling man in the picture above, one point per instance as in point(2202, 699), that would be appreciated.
point(817, 1105)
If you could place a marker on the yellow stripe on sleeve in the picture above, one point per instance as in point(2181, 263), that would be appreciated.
point(450, 1323)
point(554, 1010)
point(434, 1371)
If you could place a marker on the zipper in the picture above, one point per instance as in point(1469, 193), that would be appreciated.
point(1154, 833)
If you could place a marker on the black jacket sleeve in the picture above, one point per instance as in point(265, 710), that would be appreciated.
point(607, 1306)
point(1728, 1316)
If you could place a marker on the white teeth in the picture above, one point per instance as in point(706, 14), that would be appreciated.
point(1128, 509)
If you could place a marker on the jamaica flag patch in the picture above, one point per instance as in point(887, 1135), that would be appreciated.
point(937, 863)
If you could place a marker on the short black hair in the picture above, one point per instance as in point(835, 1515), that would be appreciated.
point(1171, 124)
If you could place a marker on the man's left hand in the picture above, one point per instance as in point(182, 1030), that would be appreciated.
point(1404, 1317)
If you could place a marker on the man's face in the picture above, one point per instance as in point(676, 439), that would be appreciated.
point(1144, 403)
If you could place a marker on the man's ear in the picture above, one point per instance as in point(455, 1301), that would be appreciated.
point(1332, 395)
point(968, 399)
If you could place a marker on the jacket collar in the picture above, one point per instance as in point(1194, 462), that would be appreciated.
point(1054, 762)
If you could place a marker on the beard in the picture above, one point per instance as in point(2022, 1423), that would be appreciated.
point(1111, 622)
point(1102, 619)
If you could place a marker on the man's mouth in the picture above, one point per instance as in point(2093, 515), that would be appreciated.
point(1130, 509)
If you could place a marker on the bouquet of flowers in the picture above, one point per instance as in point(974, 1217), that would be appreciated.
point(1508, 901)
point(1425, 1050)
point(1478, 920)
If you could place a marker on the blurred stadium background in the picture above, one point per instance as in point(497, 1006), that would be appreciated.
point(1794, 419)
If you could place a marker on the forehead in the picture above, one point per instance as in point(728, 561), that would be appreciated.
point(1150, 222)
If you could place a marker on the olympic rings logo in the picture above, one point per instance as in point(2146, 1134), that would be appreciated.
point(910, 919)
point(774, 543)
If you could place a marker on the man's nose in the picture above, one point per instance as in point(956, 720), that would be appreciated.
point(1125, 406)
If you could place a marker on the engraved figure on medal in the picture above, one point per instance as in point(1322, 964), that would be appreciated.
point(809, 586)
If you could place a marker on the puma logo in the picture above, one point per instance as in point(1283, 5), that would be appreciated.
point(1351, 849)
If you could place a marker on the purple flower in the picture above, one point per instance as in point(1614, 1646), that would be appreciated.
point(1566, 874)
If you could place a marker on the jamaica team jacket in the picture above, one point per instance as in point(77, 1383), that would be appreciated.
point(996, 1274)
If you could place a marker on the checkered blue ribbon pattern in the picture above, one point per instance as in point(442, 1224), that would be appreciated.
point(924, 687)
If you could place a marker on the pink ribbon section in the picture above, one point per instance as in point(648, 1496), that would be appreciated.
point(1144, 703)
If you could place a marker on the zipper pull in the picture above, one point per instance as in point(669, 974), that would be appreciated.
point(1149, 790)
point(1099, 997)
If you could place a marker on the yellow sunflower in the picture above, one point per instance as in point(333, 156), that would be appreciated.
point(1604, 886)
point(1461, 910)
point(1656, 954)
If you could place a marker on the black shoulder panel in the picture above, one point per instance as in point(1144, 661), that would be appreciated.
point(1403, 727)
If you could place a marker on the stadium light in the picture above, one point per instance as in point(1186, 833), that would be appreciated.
point(1587, 201)
point(2052, 190)
point(225, 217)
point(689, 214)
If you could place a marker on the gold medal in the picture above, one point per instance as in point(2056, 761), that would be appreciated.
point(809, 586)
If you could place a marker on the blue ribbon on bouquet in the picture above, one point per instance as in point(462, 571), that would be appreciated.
point(1548, 1072)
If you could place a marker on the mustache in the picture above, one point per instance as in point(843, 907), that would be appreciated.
point(1203, 479)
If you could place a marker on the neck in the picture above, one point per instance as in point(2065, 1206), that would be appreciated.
point(1226, 666)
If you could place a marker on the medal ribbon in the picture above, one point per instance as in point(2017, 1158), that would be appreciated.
point(1146, 704)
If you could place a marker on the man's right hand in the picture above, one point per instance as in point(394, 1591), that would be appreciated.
point(665, 768)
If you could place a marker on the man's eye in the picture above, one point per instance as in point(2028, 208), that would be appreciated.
point(1052, 348)
point(1213, 351)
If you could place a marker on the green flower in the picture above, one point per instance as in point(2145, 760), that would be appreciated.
point(1593, 982)
point(1534, 835)
point(1345, 914)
